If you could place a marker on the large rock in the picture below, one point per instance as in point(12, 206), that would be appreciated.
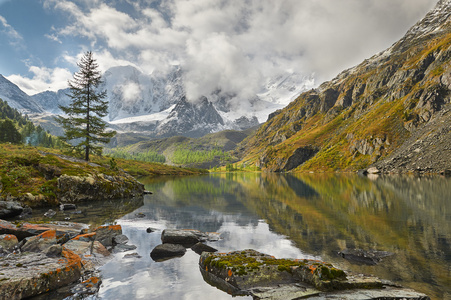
point(253, 273)
point(72, 189)
point(167, 251)
point(31, 274)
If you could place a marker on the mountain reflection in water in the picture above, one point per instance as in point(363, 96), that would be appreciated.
point(300, 216)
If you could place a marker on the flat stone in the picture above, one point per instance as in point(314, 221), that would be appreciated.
point(167, 251)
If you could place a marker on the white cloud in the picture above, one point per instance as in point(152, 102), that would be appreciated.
point(15, 39)
point(43, 79)
point(235, 45)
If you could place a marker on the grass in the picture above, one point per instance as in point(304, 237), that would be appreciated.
point(24, 169)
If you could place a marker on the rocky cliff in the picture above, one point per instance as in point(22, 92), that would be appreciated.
point(392, 110)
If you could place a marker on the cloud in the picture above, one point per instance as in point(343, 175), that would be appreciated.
point(234, 46)
point(15, 39)
point(43, 79)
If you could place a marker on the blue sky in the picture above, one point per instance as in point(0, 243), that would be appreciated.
point(234, 44)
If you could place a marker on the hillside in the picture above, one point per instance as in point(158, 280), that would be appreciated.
point(392, 110)
point(205, 152)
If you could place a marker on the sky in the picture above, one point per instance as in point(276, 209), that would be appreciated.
point(233, 45)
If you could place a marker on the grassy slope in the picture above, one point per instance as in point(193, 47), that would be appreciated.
point(21, 170)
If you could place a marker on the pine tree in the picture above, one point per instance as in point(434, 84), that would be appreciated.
point(83, 125)
point(9, 133)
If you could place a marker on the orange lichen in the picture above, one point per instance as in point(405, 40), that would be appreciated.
point(9, 237)
point(312, 269)
point(73, 260)
point(86, 235)
point(230, 273)
point(49, 234)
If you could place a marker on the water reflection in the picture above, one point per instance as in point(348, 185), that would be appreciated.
point(306, 215)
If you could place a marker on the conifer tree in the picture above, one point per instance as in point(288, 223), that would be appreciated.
point(83, 125)
point(9, 133)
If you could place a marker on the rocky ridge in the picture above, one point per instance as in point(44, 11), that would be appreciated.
point(388, 102)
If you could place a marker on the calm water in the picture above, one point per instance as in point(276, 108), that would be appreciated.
point(302, 216)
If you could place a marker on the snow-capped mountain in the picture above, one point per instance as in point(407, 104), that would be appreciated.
point(17, 99)
point(156, 104)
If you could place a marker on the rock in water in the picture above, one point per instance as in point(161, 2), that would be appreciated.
point(167, 251)
point(186, 238)
point(262, 276)
point(199, 248)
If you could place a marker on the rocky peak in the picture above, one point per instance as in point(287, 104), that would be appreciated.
point(16, 98)
point(192, 119)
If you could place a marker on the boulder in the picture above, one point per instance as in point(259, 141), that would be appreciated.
point(105, 234)
point(40, 242)
point(8, 241)
point(262, 276)
point(73, 189)
point(199, 248)
point(167, 251)
point(30, 274)
point(10, 209)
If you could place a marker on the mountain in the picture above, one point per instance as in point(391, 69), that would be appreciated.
point(392, 110)
point(155, 104)
point(17, 99)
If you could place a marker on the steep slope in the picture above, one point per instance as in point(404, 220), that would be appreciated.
point(16, 98)
point(367, 113)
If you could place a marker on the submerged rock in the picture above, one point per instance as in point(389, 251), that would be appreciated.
point(199, 248)
point(370, 257)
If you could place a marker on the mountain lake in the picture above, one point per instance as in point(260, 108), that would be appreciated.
point(312, 216)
